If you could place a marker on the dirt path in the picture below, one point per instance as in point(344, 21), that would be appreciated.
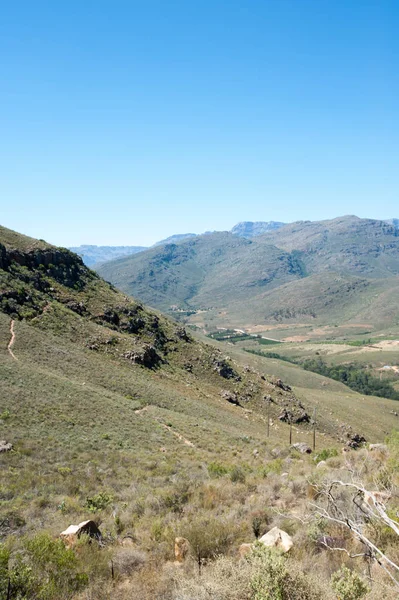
point(12, 340)
point(168, 427)
point(179, 436)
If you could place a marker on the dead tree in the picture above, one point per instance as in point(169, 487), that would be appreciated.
point(351, 506)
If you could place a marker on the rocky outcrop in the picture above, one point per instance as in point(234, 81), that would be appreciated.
point(288, 416)
point(222, 366)
point(277, 538)
point(250, 229)
point(302, 448)
point(146, 356)
point(356, 441)
point(5, 446)
point(71, 535)
point(230, 397)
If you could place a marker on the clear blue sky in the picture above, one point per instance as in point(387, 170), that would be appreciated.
point(125, 122)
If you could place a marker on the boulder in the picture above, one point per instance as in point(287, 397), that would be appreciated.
point(5, 446)
point(182, 548)
point(282, 386)
point(230, 397)
point(127, 541)
point(286, 416)
point(73, 532)
point(277, 538)
point(356, 441)
point(245, 549)
point(302, 448)
point(379, 447)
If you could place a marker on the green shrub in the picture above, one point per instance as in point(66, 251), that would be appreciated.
point(275, 578)
point(44, 569)
point(325, 454)
point(208, 537)
point(237, 475)
point(216, 470)
point(98, 502)
point(348, 585)
point(274, 466)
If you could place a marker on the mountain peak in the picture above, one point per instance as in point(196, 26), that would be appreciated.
point(249, 229)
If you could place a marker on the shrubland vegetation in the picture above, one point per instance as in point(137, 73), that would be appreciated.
point(355, 377)
point(117, 414)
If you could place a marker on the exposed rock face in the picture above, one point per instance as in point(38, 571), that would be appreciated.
point(282, 386)
point(182, 334)
point(146, 356)
point(182, 548)
point(249, 229)
point(63, 265)
point(32, 269)
point(225, 369)
point(230, 397)
point(77, 307)
point(277, 538)
point(289, 417)
point(356, 441)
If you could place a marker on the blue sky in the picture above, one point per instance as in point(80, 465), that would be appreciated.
point(125, 122)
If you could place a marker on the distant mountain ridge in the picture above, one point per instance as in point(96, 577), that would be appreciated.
point(175, 239)
point(340, 269)
point(92, 255)
point(250, 229)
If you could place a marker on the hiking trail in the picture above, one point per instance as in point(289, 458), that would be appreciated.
point(12, 340)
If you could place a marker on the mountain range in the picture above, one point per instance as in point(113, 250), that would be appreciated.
point(92, 255)
point(342, 270)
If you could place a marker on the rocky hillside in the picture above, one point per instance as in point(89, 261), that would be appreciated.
point(317, 272)
point(114, 416)
point(205, 271)
point(346, 245)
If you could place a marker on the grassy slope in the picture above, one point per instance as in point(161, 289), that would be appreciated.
point(201, 272)
point(86, 421)
point(70, 399)
point(336, 403)
point(347, 245)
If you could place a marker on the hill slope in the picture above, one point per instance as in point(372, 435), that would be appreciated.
point(202, 272)
point(116, 413)
point(340, 271)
